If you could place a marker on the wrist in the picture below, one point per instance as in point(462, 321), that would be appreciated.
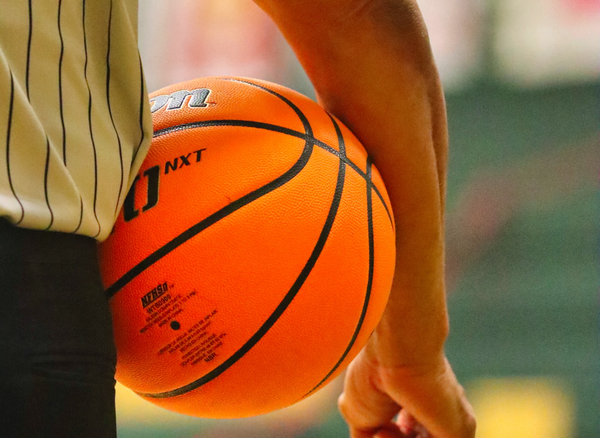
point(414, 345)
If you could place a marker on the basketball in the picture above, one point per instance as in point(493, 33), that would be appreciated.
point(253, 255)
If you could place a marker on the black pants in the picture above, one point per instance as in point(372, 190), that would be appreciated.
point(57, 355)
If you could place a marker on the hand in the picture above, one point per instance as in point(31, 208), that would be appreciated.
point(374, 395)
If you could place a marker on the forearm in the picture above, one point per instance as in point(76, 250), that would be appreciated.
point(371, 65)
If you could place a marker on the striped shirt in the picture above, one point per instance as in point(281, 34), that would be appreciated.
point(74, 114)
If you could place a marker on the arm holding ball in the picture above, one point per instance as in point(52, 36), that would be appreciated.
point(371, 65)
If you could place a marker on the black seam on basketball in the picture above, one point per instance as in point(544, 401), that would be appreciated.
point(310, 142)
point(319, 143)
point(277, 128)
point(220, 214)
point(279, 95)
point(282, 130)
point(208, 221)
point(281, 307)
point(365, 307)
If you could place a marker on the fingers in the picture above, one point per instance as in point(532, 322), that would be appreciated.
point(406, 422)
point(364, 406)
point(434, 397)
point(368, 410)
point(390, 431)
point(372, 397)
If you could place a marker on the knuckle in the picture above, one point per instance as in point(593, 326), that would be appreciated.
point(343, 406)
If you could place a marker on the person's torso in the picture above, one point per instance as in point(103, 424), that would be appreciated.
point(74, 118)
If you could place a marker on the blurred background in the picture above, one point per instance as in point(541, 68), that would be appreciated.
point(522, 85)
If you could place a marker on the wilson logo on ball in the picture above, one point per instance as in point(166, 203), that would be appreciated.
point(175, 101)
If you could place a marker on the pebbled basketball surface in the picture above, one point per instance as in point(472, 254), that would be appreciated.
point(254, 254)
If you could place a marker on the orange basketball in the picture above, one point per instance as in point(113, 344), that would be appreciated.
point(254, 254)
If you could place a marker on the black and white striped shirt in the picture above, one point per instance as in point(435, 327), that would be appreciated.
point(74, 116)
